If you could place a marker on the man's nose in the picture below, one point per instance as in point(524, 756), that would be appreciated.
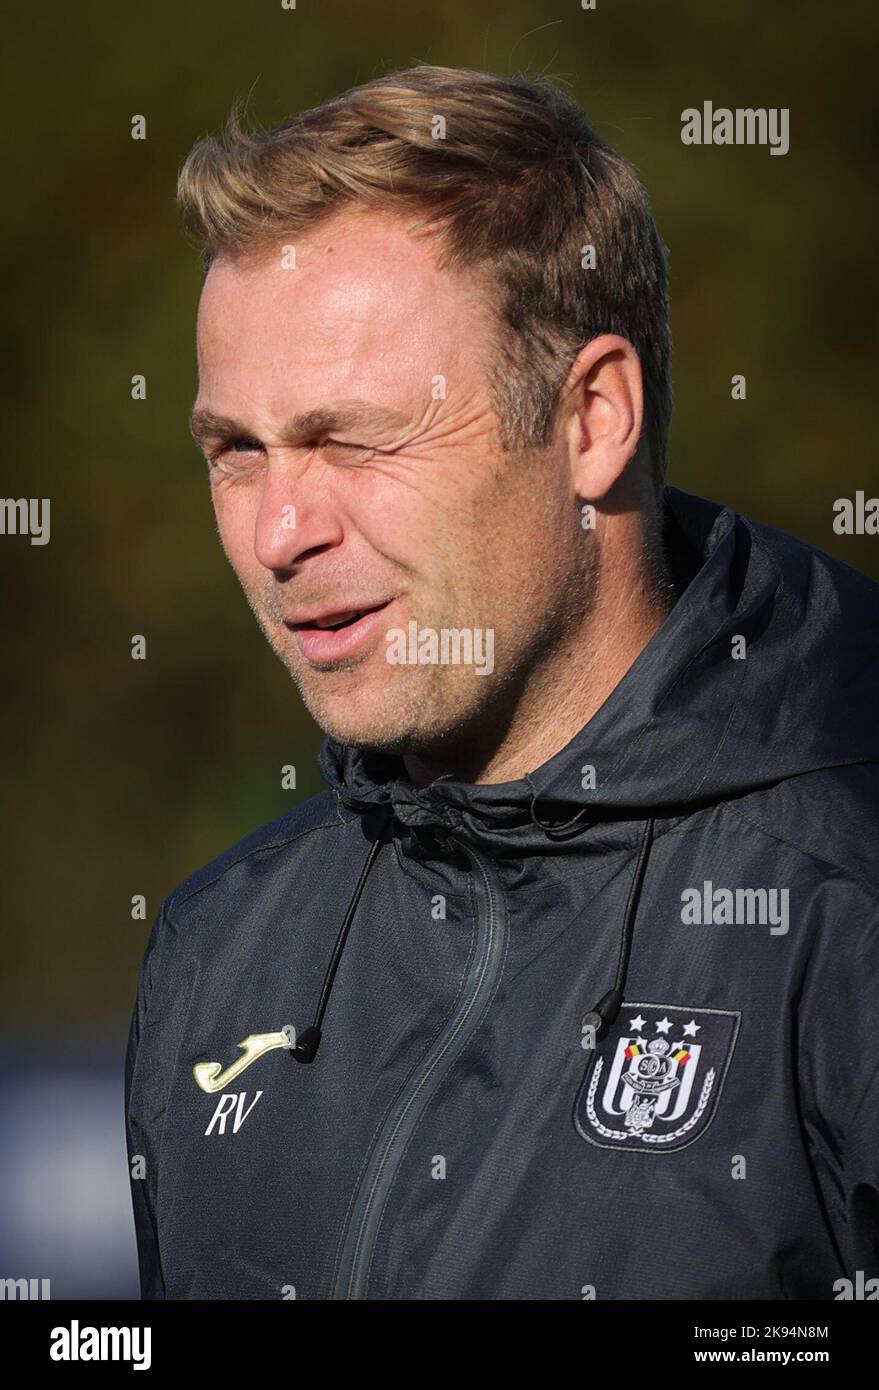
point(296, 516)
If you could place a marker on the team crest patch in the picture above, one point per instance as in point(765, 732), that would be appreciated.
point(654, 1081)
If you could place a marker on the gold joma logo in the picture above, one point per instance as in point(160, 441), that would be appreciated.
point(211, 1077)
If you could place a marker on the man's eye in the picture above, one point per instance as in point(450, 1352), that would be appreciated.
point(244, 444)
point(340, 444)
point(241, 444)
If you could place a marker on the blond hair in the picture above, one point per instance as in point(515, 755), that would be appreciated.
point(519, 185)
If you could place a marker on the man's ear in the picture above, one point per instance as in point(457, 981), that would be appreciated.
point(604, 414)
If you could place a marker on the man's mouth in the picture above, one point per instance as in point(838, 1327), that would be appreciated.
point(337, 634)
point(334, 621)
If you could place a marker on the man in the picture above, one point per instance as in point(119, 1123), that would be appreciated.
point(567, 987)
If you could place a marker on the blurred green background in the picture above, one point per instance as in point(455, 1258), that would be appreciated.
point(121, 776)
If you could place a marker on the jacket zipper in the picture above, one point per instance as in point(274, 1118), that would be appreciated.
point(399, 1126)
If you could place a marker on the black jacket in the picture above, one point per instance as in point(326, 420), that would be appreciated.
point(471, 1127)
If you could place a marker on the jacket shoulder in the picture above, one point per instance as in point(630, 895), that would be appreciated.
point(317, 813)
point(800, 563)
point(830, 814)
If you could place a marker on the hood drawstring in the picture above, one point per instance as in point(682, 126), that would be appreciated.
point(599, 1019)
point(603, 1015)
point(309, 1040)
point(555, 830)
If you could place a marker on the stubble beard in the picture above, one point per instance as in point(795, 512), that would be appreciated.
point(428, 712)
point(420, 709)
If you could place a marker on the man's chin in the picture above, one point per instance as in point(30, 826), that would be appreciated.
point(416, 711)
point(381, 726)
point(351, 717)
point(375, 735)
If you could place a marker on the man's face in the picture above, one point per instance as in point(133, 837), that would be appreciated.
point(411, 510)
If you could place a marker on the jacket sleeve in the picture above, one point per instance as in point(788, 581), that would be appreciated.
point(141, 1134)
point(837, 1061)
point(861, 1170)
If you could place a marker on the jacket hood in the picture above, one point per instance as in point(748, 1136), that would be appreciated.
point(691, 722)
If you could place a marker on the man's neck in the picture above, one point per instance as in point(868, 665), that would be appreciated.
point(561, 694)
